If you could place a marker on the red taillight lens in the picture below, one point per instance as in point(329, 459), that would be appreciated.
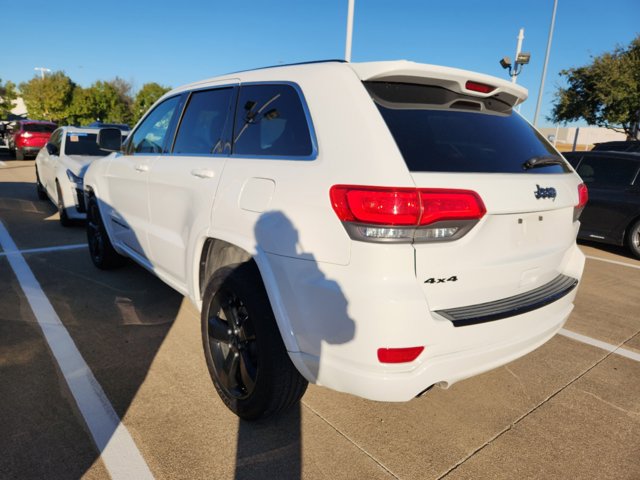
point(479, 87)
point(438, 205)
point(583, 198)
point(399, 355)
point(404, 206)
point(376, 205)
point(583, 195)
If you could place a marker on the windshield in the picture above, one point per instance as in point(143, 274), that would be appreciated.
point(38, 127)
point(84, 144)
point(438, 130)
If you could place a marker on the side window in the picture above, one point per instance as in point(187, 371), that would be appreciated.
point(56, 139)
point(270, 120)
point(150, 135)
point(607, 171)
point(203, 123)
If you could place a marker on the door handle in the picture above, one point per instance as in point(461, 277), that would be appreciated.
point(142, 168)
point(203, 173)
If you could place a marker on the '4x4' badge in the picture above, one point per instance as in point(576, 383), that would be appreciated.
point(548, 192)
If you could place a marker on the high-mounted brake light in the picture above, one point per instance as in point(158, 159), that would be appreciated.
point(388, 214)
point(399, 355)
point(479, 87)
point(583, 198)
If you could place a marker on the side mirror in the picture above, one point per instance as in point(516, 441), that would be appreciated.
point(51, 148)
point(110, 139)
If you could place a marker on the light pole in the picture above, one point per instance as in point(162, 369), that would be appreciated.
point(546, 60)
point(522, 58)
point(42, 70)
point(347, 48)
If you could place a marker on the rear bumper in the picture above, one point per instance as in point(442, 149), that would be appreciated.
point(442, 370)
point(341, 315)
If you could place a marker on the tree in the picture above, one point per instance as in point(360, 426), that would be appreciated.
point(48, 98)
point(147, 96)
point(605, 93)
point(8, 96)
point(108, 102)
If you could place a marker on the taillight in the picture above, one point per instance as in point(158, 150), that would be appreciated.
point(388, 214)
point(399, 355)
point(479, 87)
point(583, 198)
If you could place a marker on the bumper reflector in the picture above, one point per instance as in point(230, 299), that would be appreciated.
point(399, 355)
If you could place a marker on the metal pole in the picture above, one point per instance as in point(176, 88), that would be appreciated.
point(518, 50)
point(546, 61)
point(575, 139)
point(347, 49)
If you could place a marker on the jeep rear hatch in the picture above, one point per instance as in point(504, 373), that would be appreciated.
point(456, 141)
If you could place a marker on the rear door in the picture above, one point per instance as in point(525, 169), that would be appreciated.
point(613, 200)
point(453, 141)
point(183, 183)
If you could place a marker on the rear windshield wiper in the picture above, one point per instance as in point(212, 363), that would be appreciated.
point(543, 161)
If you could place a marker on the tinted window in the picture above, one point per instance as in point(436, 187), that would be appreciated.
point(202, 126)
point(83, 144)
point(150, 135)
point(38, 127)
point(270, 120)
point(601, 170)
point(438, 130)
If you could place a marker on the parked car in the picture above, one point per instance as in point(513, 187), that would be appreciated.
point(376, 228)
point(26, 137)
point(618, 146)
point(613, 212)
point(60, 168)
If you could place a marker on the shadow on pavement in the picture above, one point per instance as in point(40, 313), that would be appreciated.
point(118, 320)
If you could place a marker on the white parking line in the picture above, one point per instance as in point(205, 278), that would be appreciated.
point(600, 344)
point(50, 249)
point(118, 451)
point(615, 262)
point(2, 164)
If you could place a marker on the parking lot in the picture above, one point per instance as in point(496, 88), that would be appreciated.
point(570, 409)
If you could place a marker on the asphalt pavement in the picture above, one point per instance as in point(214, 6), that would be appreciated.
point(102, 376)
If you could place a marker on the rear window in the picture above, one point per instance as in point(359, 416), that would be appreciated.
point(83, 144)
point(38, 127)
point(438, 130)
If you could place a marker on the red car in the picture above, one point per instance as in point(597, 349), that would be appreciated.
point(27, 137)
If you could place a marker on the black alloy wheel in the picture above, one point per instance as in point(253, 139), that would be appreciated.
point(246, 357)
point(103, 255)
point(232, 343)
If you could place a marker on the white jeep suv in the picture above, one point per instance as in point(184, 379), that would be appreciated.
point(376, 228)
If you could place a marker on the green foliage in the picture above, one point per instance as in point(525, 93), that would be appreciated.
point(605, 93)
point(55, 97)
point(48, 98)
point(147, 96)
point(108, 102)
point(8, 95)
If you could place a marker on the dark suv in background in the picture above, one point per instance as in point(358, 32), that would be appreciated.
point(612, 214)
point(26, 137)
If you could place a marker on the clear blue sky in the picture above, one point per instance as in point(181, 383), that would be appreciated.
point(177, 42)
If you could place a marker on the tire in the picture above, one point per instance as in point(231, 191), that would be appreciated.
point(19, 154)
point(245, 354)
point(633, 239)
point(65, 221)
point(42, 194)
point(103, 255)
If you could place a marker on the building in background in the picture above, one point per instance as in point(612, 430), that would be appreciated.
point(584, 138)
